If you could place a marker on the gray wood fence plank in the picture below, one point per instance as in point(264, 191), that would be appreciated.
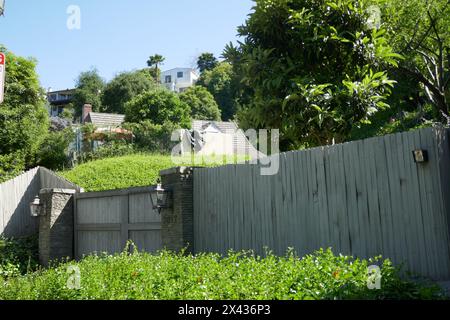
point(439, 229)
point(363, 198)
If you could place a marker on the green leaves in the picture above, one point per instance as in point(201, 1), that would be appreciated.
point(120, 172)
point(89, 88)
point(308, 70)
point(236, 276)
point(123, 88)
point(23, 116)
point(160, 106)
point(202, 103)
point(221, 83)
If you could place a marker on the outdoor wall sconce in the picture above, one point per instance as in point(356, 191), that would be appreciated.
point(36, 208)
point(420, 156)
point(160, 198)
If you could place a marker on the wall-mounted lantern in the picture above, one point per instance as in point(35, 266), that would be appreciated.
point(160, 198)
point(36, 208)
point(420, 156)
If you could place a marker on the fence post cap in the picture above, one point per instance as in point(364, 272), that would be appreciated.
point(176, 170)
point(63, 191)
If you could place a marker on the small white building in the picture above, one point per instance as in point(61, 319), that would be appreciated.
point(179, 79)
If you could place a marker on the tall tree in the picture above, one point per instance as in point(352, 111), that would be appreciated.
point(88, 89)
point(317, 68)
point(123, 88)
point(156, 60)
point(206, 61)
point(202, 103)
point(23, 117)
point(418, 29)
point(219, 82)
point(160, 106)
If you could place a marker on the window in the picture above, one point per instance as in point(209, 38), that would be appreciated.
point(180, 75)
point(168, 79)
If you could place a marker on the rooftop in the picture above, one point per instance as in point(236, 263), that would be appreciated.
point(105, 119)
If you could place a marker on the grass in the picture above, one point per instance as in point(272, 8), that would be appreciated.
point(169, 276)
point(129, 171)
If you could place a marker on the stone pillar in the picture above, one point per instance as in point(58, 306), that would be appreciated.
point(56, 225)
point(177, 222)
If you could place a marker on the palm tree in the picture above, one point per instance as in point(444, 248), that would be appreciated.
point(156, 60)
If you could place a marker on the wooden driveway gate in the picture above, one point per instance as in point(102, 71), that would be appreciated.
point(105, 221)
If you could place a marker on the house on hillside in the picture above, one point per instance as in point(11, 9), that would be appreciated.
point(179, 79)
point(58, 100)
point(104, 123)
point(217, 138)
point(102, 120)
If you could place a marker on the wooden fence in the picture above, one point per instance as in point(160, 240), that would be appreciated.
point(105, 221)
point(15, 198)
point(50, 180)
point(363, 198)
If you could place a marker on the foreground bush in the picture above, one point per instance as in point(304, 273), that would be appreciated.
point(209, 276)
point(17, 257)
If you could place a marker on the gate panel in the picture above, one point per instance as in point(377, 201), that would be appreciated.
point(105, 221)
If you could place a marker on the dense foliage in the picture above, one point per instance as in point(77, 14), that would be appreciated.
point(53, 153)
point(202, 103)
point(123, 88)
point(206, 61)
point(23, 117)
point(160, 106)
point(209, 276)
point(220, 83)
point(118, 173)
point(419, 31)
point(89, 87)
point(154, 62)
point(316, 68)
point(134, 170)
point(18, 257)
point(150, 137)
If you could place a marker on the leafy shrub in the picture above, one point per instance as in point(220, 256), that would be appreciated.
point(160, 106)
point(152, 137)
point(111, 149)
point(18, 257)
point(237, 276)
point(202, 103)
point(53, 153)
point(23, 117)
point(124, 87)
point(11, 165)
point(120, 172)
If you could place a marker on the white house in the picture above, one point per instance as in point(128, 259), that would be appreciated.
point(179, 79)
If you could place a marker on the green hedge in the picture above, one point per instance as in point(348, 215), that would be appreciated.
point(209, 276)
point(119, 172)
point(136, 170)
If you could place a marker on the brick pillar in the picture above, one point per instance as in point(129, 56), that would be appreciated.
point(56, 230)
point(177, 222)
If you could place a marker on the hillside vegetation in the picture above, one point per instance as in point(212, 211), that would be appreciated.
point(118, 173)
point(136, 170)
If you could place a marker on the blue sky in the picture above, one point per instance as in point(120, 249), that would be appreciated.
point(117, 35)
